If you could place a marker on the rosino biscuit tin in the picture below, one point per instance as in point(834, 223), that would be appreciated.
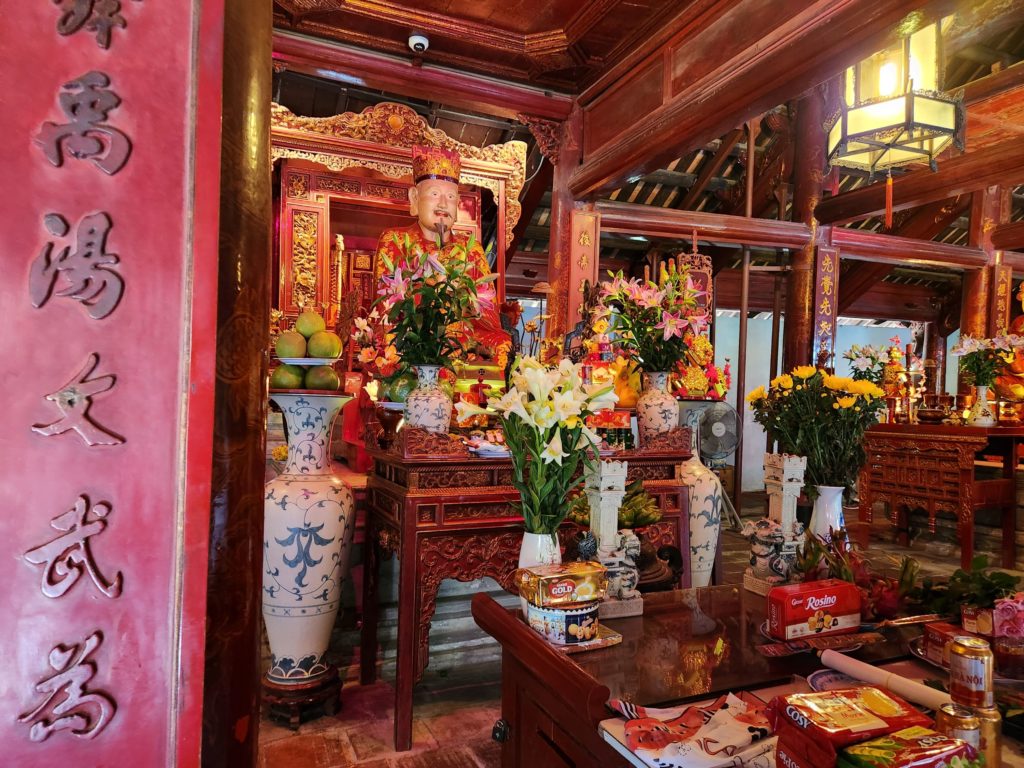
point(827, 607)
point(548, 586)
point(567, 625)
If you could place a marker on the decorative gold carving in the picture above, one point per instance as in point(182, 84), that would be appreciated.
point(298, 185)
point(396, 125)
point(583, 262)
point(329, 184)
point(387, 192)
point(388, 539)
point(479, 511)
point(451, 479)
point(364, 261)
point(427, 513)
point(304, 237)
point(660, 534)
point(413, 442)
point(547, 133)
point(584, 239)
point(676, 439)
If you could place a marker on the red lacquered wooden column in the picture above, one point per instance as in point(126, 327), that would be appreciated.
point(231, 707)
point(561, 246)
point(808, 167)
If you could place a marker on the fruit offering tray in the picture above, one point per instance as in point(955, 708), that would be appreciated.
point(308, 360)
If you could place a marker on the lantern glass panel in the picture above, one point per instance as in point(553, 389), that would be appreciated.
point(934, 112)
point(879, 116)
point(924, 59)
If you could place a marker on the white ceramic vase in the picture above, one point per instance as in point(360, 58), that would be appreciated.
point(308, 522)
point(427, 406)
point(656, 410)
point(828, 511)
point(538, 549)
point(705, 518)
point(982, 414)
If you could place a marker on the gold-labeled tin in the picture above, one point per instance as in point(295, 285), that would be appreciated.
point(959, 723)
point(546, 586)
point(991, 735)
point(971, 665)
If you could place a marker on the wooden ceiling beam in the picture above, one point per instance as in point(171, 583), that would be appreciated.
point(535, 192)
point(713, 76)
point(872, 246)
point(986, 87)
point(1008, 236)
point(1001, 163)
point(390, 73)
point(629, 218)
point(710, 168)
point(924, 224)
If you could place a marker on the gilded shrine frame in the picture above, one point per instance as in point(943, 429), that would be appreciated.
point(380, 138)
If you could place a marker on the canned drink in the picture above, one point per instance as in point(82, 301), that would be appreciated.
point(971, 665)
point(991, 723)
point(959, 723)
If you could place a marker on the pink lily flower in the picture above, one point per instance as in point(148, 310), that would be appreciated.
point(672, 324)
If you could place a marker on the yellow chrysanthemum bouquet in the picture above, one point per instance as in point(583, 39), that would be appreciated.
point(823, 417)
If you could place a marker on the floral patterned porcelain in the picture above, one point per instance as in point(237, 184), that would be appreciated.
point(427, 406)
point(705, 518)
point(982, 414)
point(656, 410)
point(309, 519)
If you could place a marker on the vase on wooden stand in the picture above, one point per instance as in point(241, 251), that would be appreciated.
point(656, 410)
point(309, 520)
point(428, 407)
point(982, 414)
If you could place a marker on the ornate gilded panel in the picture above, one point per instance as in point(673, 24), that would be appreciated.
point(298, 185)
point(304, 241)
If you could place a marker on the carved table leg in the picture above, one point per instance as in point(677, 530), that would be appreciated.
point(408, 632)
point(368, 633)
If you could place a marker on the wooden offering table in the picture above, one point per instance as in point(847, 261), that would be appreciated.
point(450, 517)
point(932, 466)
point(688, 646)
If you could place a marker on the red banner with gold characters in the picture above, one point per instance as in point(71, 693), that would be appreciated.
point(826, 297)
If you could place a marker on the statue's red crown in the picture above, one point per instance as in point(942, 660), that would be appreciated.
point(435, 163)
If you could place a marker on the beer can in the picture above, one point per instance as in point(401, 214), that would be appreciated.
point(991, 723)
point(971, 665)
point(959, 723)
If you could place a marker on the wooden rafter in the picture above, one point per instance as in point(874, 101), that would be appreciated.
point(535, 192)
point(710, 169)
point(725, 80)
point(924, 224)
point(1001, 163)
point(1008, 236)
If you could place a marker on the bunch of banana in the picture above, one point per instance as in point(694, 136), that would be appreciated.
point(638, 508)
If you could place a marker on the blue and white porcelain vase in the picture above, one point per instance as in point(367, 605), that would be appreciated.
point(828, 511)
point(428, 407)
point(308, 522)
point(705, 518)
point(656, 410)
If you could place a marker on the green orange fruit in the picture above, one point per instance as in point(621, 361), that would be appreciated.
point(286, 377)
point(322, 377)
point(290, 344)
point(324, 344)
point(309, 323)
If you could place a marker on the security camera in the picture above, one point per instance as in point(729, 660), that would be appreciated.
point(418, 43)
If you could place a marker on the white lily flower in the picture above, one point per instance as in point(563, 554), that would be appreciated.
point(542, 414)
point(513, 401)
point(463, 410)
point(566, 405)
point(553, 451)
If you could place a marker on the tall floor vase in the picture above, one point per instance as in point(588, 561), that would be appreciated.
point(309, 519)
point(828, 511)
point(705, 518)
point(656, 410)
point(427, 406)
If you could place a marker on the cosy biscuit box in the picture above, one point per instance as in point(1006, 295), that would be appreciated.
point(549, 586)
point(937, 635)
point(827, 607)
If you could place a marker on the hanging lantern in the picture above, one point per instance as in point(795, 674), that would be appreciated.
point(893, 112)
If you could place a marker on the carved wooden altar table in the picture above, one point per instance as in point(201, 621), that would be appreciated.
point(932, 466)
point(451, 518)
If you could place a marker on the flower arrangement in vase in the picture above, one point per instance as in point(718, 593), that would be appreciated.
point(657, 322)
point(427, 309)
point(823, 417)
point(544, 414)
point(981, 362)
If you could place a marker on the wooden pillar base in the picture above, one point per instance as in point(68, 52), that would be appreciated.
point(294, 704)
